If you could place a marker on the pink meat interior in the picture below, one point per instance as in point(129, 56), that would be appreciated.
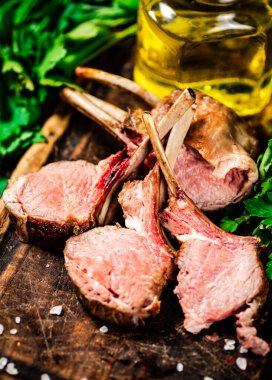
point(59, 192)
point(114, 264)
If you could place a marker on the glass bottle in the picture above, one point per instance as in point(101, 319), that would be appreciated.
point(221, 47)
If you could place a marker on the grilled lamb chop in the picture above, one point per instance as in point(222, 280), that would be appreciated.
point(220, 274)
point(62, 198)
point(120, 272)
point(66, 198)
point(213, 167)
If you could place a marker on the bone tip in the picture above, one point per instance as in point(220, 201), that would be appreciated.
point(79, 71)
point(192, 93)
point(64, 92)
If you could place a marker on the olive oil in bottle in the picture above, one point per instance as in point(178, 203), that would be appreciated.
point(221, 47)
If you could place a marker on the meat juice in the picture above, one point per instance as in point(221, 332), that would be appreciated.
point(221, 47)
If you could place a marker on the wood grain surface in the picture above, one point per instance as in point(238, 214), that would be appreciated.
point(71, 346)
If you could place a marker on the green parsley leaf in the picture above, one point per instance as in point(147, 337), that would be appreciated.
point(3, 184)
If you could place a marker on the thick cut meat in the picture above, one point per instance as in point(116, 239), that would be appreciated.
point(214, 152)
point(196, 175)
point(219, 273)
point(63, 198)
point(120, 272)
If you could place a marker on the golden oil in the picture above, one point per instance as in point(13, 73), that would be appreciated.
point(221, 47)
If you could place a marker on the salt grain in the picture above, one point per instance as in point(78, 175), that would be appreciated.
point(243, 350)
point(208, 378)
point(241, 363)
point(3, 362)
point(18, 319)
point(104, 329)
point(84, 378)
point(44, 376)
point(229, 344)
point(13, 331)
point(11, 370)
point(56, 310)
point(47, 265)
point(179, 367)
point(1, 329)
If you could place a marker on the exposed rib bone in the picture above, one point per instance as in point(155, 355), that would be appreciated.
point(95, 108)
point(160, 153)
point(82, 102)
point(114, 111)
point(118, 81)
point(142, 151)
point(178, 109)
point(177, 136)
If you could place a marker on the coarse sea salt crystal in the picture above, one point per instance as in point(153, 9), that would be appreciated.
point(229, 344)
point(208, 378)
point(47, 266)
point(104, 329)
point(84, 378)
point(1, 329)
point(56, 310)
point(45, 376)
point(3, 362)
point(180, 367)
point(243, 350)
point(13, 331)
point(241, 363)
point(11, 370)
point(18, 319)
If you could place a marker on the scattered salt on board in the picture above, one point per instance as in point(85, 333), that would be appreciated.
point(45, 376)
point(18, 320)
point(104, 329)
point(1, 329)
point(243, 350)
point(56, 310)
point(11, 370)
point(179, 367)
point(229, 344)
point(3, 362)
point(241, 363)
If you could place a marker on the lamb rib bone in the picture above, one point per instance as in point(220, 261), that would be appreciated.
point(186, 100)
point(220, 273)
point(117, 81)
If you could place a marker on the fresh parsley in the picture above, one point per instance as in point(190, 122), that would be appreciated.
point(256, 212)
point(41, 42)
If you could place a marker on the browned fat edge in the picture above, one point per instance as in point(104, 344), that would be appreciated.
point(105, 312)
point(52, 235)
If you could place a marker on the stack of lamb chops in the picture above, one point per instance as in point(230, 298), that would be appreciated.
point(116, 297)
point(66, 198)
point(214, 164)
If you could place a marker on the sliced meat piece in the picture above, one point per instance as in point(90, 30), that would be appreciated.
point(61, 199)
point(209, 192)
point(220, 274)
point(120, 272)
point(215, 147)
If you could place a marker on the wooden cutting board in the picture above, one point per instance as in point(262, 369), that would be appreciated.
point(71, 346)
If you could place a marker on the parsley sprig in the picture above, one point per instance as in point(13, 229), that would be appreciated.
point(256, 212)
point(41, 42)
